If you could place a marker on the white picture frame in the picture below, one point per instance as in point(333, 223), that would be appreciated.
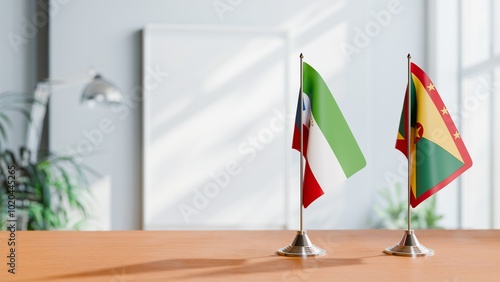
point(208, 93)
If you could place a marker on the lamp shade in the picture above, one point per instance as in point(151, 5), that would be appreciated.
point(101, 90)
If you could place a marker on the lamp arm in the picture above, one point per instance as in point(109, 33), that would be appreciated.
point(72, 81)
point(97, 88)
point(38, 111)
point(42, 94)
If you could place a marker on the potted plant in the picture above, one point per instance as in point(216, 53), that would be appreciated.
point(49, 193)
point(392, 214)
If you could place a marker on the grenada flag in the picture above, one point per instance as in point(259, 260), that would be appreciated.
point(437, 154)
point(331, 153)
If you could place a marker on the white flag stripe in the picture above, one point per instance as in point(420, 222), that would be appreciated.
point(322, 160)
point(306, 110)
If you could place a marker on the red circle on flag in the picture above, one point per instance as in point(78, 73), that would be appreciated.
point(419, 132)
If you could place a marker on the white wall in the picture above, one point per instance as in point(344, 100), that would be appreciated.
point(368, 86)
point(444, 67)
point(468, 88)
point(18, 53)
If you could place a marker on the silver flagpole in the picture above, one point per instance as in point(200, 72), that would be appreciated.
point(409, 245)
point(301, 98)
point(301, 245)
point(408, 139)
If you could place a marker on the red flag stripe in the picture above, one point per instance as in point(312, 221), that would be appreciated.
point(312, 189)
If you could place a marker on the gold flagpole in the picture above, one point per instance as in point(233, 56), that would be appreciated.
point(301, 245)
point(409, 246)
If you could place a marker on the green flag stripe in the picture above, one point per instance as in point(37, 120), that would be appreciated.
point(402, 124)
point(434, 164)
point(332, 123)
point(413, 103)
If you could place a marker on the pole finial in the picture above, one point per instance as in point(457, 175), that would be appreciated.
point(301, 56)
point(409, 56)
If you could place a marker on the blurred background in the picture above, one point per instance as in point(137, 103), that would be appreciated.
point(202, 136)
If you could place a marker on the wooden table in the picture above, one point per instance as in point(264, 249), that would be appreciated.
point(461, 255)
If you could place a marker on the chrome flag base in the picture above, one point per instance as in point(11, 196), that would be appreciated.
point(301, 247)
point(409, 247)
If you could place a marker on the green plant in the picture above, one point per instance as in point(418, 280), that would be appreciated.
point(392, 214)
point(50, 193)
point(10, 103)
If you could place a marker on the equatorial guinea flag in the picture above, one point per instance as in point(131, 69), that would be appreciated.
point(330, 150)
point(438, 154)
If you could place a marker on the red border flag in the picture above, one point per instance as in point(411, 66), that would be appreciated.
point(438, 154)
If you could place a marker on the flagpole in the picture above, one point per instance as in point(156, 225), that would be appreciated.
point(409, 246)
point(301, 146)
point(301, 127)
point(408, 137)
point(301, 245)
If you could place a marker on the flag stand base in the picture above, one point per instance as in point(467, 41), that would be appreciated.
point(409, 247)
point(301, 247)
